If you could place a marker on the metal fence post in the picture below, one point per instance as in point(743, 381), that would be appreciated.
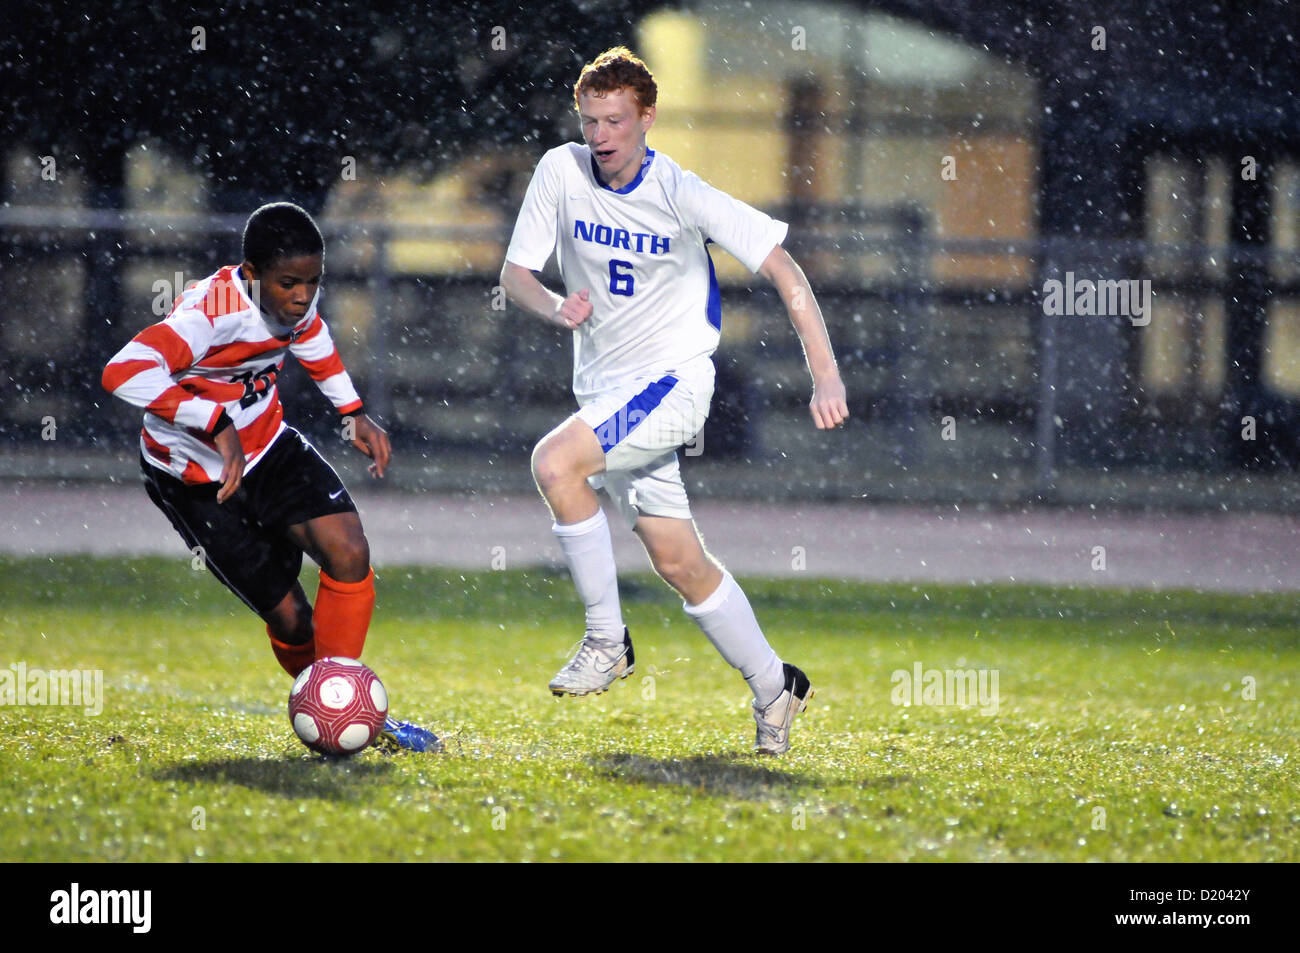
point(912, 377)
point(379, 397)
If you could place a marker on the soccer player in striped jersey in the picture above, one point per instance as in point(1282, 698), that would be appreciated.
point(230, 475)
point(629, 229)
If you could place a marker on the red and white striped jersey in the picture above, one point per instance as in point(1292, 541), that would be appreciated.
point(215, 350)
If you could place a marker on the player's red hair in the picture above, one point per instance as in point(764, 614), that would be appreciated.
point(617, 68)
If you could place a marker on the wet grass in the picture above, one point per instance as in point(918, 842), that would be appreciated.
point(1128, 726)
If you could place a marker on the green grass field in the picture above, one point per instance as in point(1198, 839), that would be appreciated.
point(1121, 733)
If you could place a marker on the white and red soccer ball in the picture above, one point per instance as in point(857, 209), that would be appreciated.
point(337, 705)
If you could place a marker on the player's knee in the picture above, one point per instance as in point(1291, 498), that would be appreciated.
point(559, 461)
point(677, 572)
point(303, 630)
point(683, 572)
point(550, 469)
point(537, 462)
point(349, 559)
point(291, 624)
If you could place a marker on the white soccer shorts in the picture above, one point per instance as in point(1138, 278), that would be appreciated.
point(640, 426)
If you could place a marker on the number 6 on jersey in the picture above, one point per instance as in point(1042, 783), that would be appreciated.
point(620, 282)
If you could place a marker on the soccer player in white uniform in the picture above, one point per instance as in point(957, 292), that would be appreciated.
point(629, 228)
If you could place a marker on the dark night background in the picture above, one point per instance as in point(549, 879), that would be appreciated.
point(279, 94)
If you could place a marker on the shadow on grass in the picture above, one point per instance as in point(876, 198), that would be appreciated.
point(332, 779)
point(734, 775)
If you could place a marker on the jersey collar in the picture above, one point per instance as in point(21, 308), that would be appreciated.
point(640, 175)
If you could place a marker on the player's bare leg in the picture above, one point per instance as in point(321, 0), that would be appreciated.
point(678, 555)
point(345, 599)
point(337, 543)
point(290, 621)
point(719, 607)
point(289, 626)
point(562, 461)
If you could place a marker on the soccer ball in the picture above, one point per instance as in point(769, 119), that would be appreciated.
point(337, 705)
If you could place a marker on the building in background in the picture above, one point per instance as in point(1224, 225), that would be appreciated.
point(938, 162)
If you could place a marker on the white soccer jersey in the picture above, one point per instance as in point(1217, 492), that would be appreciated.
point(640, 252)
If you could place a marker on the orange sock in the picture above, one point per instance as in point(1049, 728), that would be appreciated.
point(342, 615)
point(292, 658)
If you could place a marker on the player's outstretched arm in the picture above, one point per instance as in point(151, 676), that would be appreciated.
point(523, 288)
point(829, 405)
point(372, 440)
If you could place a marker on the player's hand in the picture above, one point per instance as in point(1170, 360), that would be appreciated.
point(372, 440)
point(573, 310)
point(829, 406)
point(232, 463)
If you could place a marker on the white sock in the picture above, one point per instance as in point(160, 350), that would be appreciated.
point(590, 555)
point(728, 621)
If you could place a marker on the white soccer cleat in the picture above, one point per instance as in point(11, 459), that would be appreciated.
point(774, 720)
point(594, 668)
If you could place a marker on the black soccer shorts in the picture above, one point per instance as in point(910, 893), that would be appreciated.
point(245, 541)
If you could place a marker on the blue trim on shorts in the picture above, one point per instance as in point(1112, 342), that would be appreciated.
point(628, 417)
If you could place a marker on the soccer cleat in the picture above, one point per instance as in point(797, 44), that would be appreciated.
point(404, 736)
point(596, 665)
point(775, 719)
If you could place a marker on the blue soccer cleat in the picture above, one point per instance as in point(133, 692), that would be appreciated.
point(404, 736)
